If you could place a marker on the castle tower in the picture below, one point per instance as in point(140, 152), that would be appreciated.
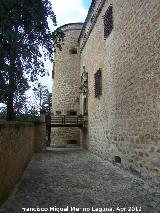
point(66, 85)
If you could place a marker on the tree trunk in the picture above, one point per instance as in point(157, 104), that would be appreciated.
point(10, 108)
point(11, 90)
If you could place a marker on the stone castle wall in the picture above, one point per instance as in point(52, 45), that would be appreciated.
point(125, 120)
point(65, 135)
point(67, 82)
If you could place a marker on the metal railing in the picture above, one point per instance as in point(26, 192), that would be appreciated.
point(66, 120)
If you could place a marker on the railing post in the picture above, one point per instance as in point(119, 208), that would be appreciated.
point(64, 119)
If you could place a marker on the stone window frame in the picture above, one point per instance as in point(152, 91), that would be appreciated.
point(108, 21)
point(98, 83)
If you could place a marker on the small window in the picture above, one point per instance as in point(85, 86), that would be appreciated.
point(53, 73)
point(71, 142)
point(71, 112)
point(117, 159)
point(58, 112)
point(98, 83)
point(108, 22)
point(73, 50)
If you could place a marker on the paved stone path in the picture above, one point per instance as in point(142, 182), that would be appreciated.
point(79, 179)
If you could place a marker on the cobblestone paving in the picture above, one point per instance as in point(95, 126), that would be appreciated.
point(80, 179)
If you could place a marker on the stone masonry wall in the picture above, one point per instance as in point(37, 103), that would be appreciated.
point(125, 120)
point(66, 81)
point(67, 73)
point(39, 136)
point(64, 136)
point(18, 141)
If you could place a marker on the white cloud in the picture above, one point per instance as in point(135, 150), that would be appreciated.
point(68, 11)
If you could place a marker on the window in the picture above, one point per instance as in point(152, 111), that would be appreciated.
point(58, 112)
point(72, 142)
point(71, 112)
point(98, 83)
point(73, 50)
point(53, 71)
point(85, 110)
point(53, 74)
point(117, 159)
point(108, 22)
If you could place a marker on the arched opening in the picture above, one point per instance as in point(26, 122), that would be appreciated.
point(117, 159)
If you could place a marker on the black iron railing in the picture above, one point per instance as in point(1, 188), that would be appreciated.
point(67, 120)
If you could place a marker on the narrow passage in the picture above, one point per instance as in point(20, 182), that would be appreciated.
point(79, 179)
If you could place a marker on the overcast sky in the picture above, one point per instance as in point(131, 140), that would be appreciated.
point(66, 11)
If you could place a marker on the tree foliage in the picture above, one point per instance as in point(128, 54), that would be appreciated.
point(42, 97)
point(24, 31)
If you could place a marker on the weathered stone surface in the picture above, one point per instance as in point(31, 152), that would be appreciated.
point(18, 142)
point(62, 135)
point(80, 179)
point(67, 82)
point(124, 120)
point(39, 137)
point(67, 72)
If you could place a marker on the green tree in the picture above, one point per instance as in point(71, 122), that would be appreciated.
point(42, 97)
point(24, 108)
point(24, 35)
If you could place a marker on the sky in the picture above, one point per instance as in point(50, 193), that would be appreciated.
point(66, 11)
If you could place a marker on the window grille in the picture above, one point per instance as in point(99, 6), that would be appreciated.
point(108, 22)
point(98, 83)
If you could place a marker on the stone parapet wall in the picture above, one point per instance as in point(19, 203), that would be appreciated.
point(93, 14)
point(18, 142)
point(70, 26)
point(124, 120)
point(39, 136)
